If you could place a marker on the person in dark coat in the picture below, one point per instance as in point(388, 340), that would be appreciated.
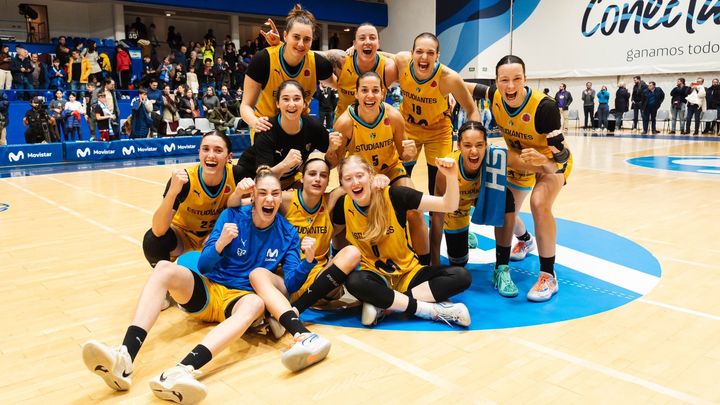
point(622, 104)
point(652, 98)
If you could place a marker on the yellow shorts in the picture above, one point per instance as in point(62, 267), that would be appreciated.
point(218, 298)
point(394, 172)
point(398, 282)
point(312, 276)
point(458, 220)
point(190, 240)
point(438, 141)
point(287, 183)
point(523, 180)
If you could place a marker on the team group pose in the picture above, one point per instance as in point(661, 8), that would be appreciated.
point(369, 235)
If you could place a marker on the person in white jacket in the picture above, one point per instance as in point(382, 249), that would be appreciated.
point(695, 105)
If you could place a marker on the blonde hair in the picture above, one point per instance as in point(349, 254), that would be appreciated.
point(378, 212)
point(300, 16)
point(264, 171)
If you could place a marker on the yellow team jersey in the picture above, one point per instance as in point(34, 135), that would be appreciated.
point(347, 82)
point(459, 220)
point(306, 76)
point(375, 143)
point(198, 213)
point(423, 104)
point(394, 256)
point(314, 222)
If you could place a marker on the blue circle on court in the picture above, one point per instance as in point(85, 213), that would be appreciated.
point(4, 207)
point(707, 164)
point(597, 271)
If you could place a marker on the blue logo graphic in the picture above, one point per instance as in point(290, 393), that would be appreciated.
point(4, 207)
point(708, 164)
point(597, 271)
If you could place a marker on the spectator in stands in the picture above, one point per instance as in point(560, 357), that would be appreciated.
point(588, 98)
point(6, 78)
point(235, 106)
point(603, 97)
point(334, 41)
point(141, 119)
point(78, 73)
point(108, 88)
point(106, 67)
point(150, 70)
point(166, 71)
point(173, 39)
point(141, 29)
point(93, 58)
point(62, 52)
point(154, 94)
point(4, 118)
point(209, 37)
point(104, 118)
point(179, 78)
point(230, 56)
point(208, 49)
point(221, 73)
point(123, 65)
point(188, 105)
point(207, 76)
point(210, 100)
point(238, 75)
point(563, 99)
point(327, 101)
point(57, 76)
point(247, 51)
point(622, 104)
point(221, 117)
point(652, 100)
point(39, 73)
point(39, 122)
point(90, 101)
point(170, 115)
point(678, 104)
point(72, 117)
point(79, 46)
point(712, 96)
point(192, 80)
point(22, 72)
point(195, 62)
point(225, 95)
point(695, 104)
point(637, 94)
point(180, 57)
point(57, 106)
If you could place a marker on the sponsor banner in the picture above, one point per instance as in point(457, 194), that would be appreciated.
point(131, 149)
point(14, 155)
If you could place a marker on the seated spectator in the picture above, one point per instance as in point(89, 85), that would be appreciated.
point(72, 117)
point(210, 100)
point(141, 119)
point(57, 76)
point(225, 95)
point(6, 78)
point(57, 106)
point(235, 106)
point(221, 117)
point(188, 105)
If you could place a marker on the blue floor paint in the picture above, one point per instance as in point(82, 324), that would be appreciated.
point(705, 164)
point(55, 168)
point(580, 295)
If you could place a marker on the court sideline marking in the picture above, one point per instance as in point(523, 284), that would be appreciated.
point(681, 309)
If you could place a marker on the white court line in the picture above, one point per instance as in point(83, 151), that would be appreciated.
point(116, 201)
point(601, 269)
point(688, 262)
point(77, 214)
point(681, 309)
point(611, 372)
point(115, 173)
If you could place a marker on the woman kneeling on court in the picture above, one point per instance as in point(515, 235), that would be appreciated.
point(391, 276)
point(243, 239)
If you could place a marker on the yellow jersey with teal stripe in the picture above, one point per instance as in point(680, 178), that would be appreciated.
point(423, 103)
point(347, 82)
point(459, 220)
point(394, 255)
point(306, 76)
point(518, 128)
point(375, 142)
point(199, 211)
point(314, 222)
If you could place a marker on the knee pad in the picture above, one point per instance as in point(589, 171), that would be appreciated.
point(158, 248)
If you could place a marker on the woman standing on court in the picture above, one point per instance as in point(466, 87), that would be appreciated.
point(538, 162)
point(243, 240)
point(292, 60)
point(391, 278)
point(290, 139)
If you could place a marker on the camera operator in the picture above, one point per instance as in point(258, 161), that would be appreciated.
point(39, 122)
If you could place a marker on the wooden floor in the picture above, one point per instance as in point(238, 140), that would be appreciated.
point(72, 269)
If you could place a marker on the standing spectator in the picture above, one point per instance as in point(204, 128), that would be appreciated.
point(150, 70)
point(22, 72)
point(192, 80)
point(221, 117)
point(179, 77)
point(123, 66)
point(194, 62)
point(334, 41)
point(712, 96)
point(90, 100)
point(239, 75)
point(180, 56)
point(209, 100)
point(221, 73)
point(248, 50)
point(93, 58)
point(170, 115)
point(154, 43)
point(6, 78)
point(166, 71)
point(622, 104)
point(588, 98)
point(154, 96)
point(104, 117)
point(78, 73)
point(563, 99)
point(678, 104)
point(57, 75)
point(188, 105)
point(57, 106)
point(603, 97)
point(208, 50)
point(207, 75)
point(230, 56)
point(72, 113)
point(695, 104)
point(173, 40)
point(62, 52)
point(4, 119)
point(38, 75)
point(637, 94)
point(141, 29)
point(141, 118)
point(111, 102)
point(651, 102)
point(327, 101)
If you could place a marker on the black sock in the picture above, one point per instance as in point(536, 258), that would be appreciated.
point(292, 323)
point(547, 264)
point(412, 306)
point(424, 259)
point(328, 280)
point(134, 338)
point(502, 255)
point(198, 357)
point(525, 237)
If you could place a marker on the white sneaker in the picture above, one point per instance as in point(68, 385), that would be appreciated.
point(448, 312)
point(275, 328)
point(521, 249)
point(545, 287)
point(371, 314)
point(309, 348)
point(178, 384)
point(112, 364)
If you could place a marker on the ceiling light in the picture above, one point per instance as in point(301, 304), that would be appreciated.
point(347, 30)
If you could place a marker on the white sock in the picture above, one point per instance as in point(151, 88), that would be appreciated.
point(424, 308)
